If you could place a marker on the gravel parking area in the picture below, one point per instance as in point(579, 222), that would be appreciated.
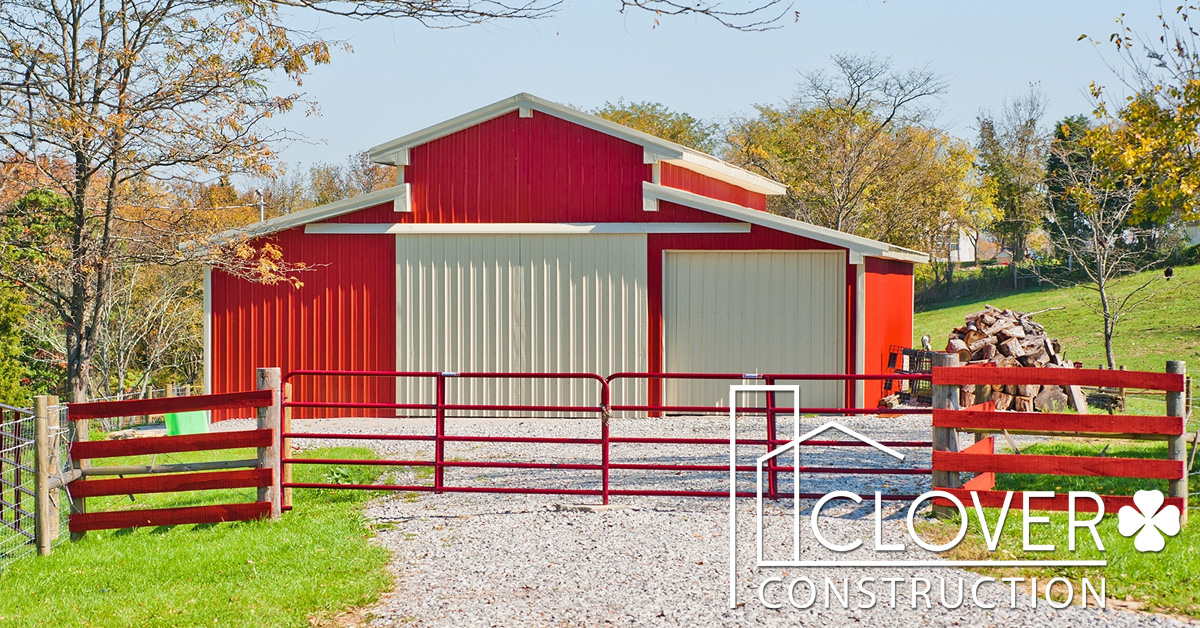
point(515, 560)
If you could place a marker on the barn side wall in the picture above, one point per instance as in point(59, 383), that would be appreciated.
point(889, 316)
point(343, 317)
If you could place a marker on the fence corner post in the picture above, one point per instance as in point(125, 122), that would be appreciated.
point(45, 506)
point(945, 438)
point(271, 418)
point(1177, 445)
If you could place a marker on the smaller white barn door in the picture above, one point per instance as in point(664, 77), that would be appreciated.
point(754, 312)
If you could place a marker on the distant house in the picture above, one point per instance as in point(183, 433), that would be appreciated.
point(1005, 256)
point(1192, 231)
point(963, 251)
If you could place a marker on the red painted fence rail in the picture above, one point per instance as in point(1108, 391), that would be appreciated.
point(264, 475)
point(983, 418)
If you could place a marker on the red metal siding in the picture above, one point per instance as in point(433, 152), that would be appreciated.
point(684, 179)
point(759, 238)
point(343, 317)
point(539, 169)
point(382, 213)
point(889, 316)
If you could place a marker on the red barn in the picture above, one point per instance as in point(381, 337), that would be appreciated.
point(528, 236)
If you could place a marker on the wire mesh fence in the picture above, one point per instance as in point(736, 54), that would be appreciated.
point(18, 467)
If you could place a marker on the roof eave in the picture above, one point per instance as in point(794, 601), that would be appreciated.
point(856, 245)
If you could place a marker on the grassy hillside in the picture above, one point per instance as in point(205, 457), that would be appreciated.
point(1165, 328)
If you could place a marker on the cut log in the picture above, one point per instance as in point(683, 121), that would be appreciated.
point(985, 353)
point(1028, 390)
point(1014, 331)
point(973, 336)
point(957, 346)
point(1012, 348)
point(1003, 401)
point(999, 326)
point(1023, 404)
point(966, 399)
point(981, 343)
point(1051, 399)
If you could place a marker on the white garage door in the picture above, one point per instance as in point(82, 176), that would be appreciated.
point(754, 312)
point(519, 303)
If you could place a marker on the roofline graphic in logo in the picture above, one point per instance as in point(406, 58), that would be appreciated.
point(793, 445)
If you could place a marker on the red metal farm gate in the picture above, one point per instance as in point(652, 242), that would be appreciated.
point(600, 411)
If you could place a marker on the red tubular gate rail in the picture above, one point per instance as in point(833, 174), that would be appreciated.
point(602, 411)
point(982, 419)
point(156, 482)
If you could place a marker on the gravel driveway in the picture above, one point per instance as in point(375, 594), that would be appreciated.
point(515, 560)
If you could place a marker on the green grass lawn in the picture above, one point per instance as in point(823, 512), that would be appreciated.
point(1166, 581)
point(313, 564)
point(1165, 328)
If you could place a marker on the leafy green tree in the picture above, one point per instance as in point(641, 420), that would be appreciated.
point(858, 151)
point(14, 365)
point(1153, 138)
point(1012, 158)
point(660, 121)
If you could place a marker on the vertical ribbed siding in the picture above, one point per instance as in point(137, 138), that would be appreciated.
point(538, 169)
point(681, 178)
point(520, 303)
point(343, 317)
point(754, 312)
point(889, 317)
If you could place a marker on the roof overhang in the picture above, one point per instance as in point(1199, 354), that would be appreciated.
point(399, 195)
point(657, 149)
point(858, 247)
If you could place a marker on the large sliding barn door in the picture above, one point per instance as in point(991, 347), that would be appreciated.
point(519, 303)
point(754, 312)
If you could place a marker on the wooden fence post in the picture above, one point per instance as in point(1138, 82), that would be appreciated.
point(45, 452)
point(1177, 445)
point(270, 418)
point(78, 431)
point(285, 470)
point(945, 438)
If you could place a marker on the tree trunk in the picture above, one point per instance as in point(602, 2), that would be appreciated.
point(1110, 323)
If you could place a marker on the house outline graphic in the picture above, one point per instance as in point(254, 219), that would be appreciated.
point(794, 444)
point(797, 439)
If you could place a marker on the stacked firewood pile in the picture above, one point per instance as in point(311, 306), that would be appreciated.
point(1007, 338)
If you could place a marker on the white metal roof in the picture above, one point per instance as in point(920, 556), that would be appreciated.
point(857, 245)
point(395, 152)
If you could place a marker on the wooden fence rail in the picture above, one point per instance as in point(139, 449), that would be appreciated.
point(80, 481)
point(984, 421)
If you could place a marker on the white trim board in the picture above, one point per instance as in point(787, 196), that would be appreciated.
point(596, 228)
point(208, 334)
point(857, 246)
point(399, 195)
point(395, 152)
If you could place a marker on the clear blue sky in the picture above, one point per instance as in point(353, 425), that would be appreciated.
point(402, 76)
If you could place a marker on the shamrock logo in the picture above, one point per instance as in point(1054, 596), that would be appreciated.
point(1147, 521)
